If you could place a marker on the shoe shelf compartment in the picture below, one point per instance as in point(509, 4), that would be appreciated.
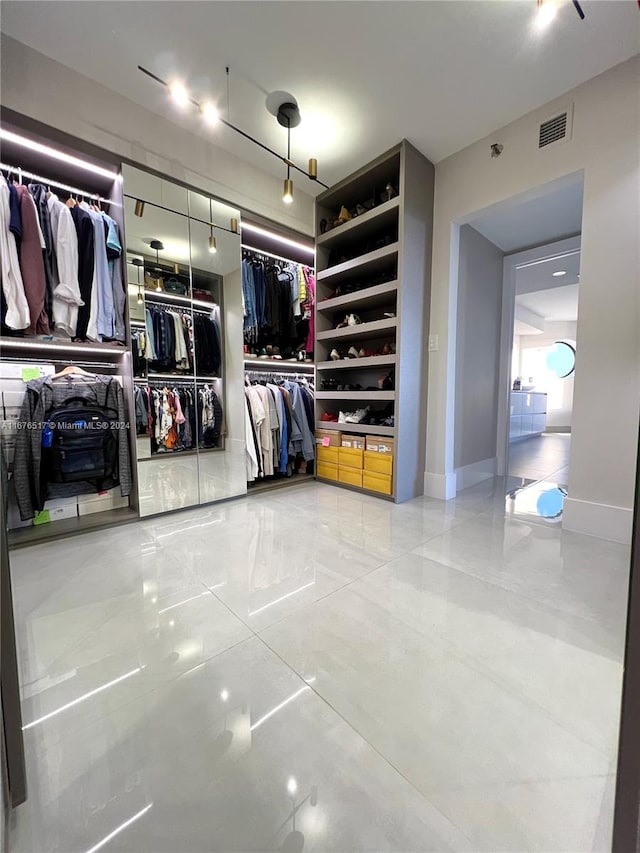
point(365, 265)
point(368, 297)
point(384, 215)
point(352, 363)
point(368, 182)
point(373, 330)
point(360, 429)
point(370, 396)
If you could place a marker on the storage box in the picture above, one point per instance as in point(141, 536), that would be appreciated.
point(327, 454)
point(329, 437)
point(351, 457)
point(101, 501)
point(380, 444)
point(377, 482)
point(379, 463)
point(353, 441)
point(327, 470)
point(57, 509)
point(351, 476)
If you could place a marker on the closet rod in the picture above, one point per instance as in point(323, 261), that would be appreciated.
point(271, 255)
point(49, 182)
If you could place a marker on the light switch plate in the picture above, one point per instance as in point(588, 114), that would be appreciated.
point(434, 343)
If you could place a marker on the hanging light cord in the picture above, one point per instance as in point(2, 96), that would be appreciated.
point(248, 136)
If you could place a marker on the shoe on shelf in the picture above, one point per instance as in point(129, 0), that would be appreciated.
point(353, 320)
point(329, 417)
point(356, 417)
point(344, 215)
point(334, 355)
point(389, 314)
point(352, 352)
point(342, 417)
point(343, 323)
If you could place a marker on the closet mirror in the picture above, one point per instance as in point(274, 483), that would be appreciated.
point(215, 262)
point(181, 284)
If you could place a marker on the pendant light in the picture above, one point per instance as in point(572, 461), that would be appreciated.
point(137, 262)
point(212, 240)
point(139, 208)
point(287, 195)
point(157, 246)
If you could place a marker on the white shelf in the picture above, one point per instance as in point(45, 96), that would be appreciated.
point(369, 297)
point(35, 345)
point(364, 264)
point(366, 361)
point(269, 363)
point(368, 396)
point(360, 429)
point(361, 226)
point(375, 329)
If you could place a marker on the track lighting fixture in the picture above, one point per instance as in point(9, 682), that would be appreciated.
point(157, 246)
point(212, 240)
point(288, 115)
point(234, 225)
point(548, 9)
point(139, 208)
point(210, 114)
point(179, 93)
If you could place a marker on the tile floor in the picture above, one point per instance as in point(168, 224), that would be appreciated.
point(541, 457)
point(322, 671)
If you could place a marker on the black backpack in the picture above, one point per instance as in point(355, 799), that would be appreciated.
point(79, 442)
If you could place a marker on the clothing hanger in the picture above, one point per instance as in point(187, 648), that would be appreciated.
point(74, 370)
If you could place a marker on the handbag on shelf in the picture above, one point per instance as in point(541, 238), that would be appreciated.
point(202, 295)
point(174, 285)
point(151, 283)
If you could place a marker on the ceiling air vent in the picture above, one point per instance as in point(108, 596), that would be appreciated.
point(553, 130)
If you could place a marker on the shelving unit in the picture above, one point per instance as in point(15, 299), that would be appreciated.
point(377, 263)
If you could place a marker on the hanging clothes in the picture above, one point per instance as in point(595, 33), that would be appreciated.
point(35, 477)
point(66, 296)
point(15, 314)
point(32, 264)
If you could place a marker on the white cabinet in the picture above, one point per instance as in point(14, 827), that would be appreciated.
point(528, 414)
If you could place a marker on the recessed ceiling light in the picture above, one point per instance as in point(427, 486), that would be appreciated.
point(546, 13)
point(560, 272)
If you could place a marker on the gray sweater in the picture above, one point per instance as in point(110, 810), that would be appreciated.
point(41, 397)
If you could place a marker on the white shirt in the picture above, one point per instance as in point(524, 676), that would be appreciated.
point(18, 316)
point(66, 296)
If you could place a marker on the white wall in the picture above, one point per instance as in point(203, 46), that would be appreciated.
point(554, 330)
point(45, 90)
point(477, 348)
point(606, 399)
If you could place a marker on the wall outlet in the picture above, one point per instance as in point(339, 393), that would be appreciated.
point(434, 343)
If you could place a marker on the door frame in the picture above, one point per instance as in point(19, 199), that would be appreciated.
point(511, 264)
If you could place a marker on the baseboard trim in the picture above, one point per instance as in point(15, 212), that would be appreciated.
point(440, 486)
point(606, 522)
point(470, 475)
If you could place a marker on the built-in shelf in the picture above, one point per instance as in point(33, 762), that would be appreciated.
point(349, 363)
point(369, 396)
point(23, 536)
point(178, 377)
point(364, 265)
point(361, 226)
point(375, 329)
point(359, 429)
point(162, 296)
point(368, 297)
point(59, 346)
point(173, 454)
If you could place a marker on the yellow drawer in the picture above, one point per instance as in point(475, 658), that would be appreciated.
point(378, 463)
point(377, 482)
point(328, 470)
point(350, 456)
point(328, 454)
point(352, 476)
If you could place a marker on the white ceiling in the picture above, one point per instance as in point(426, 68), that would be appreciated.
point(554, 304)
point(548, 213)
point(365, 74)
point(539, 276)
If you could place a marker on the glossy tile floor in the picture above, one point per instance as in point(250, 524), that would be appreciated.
point(541, 457)
point(322, 671)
